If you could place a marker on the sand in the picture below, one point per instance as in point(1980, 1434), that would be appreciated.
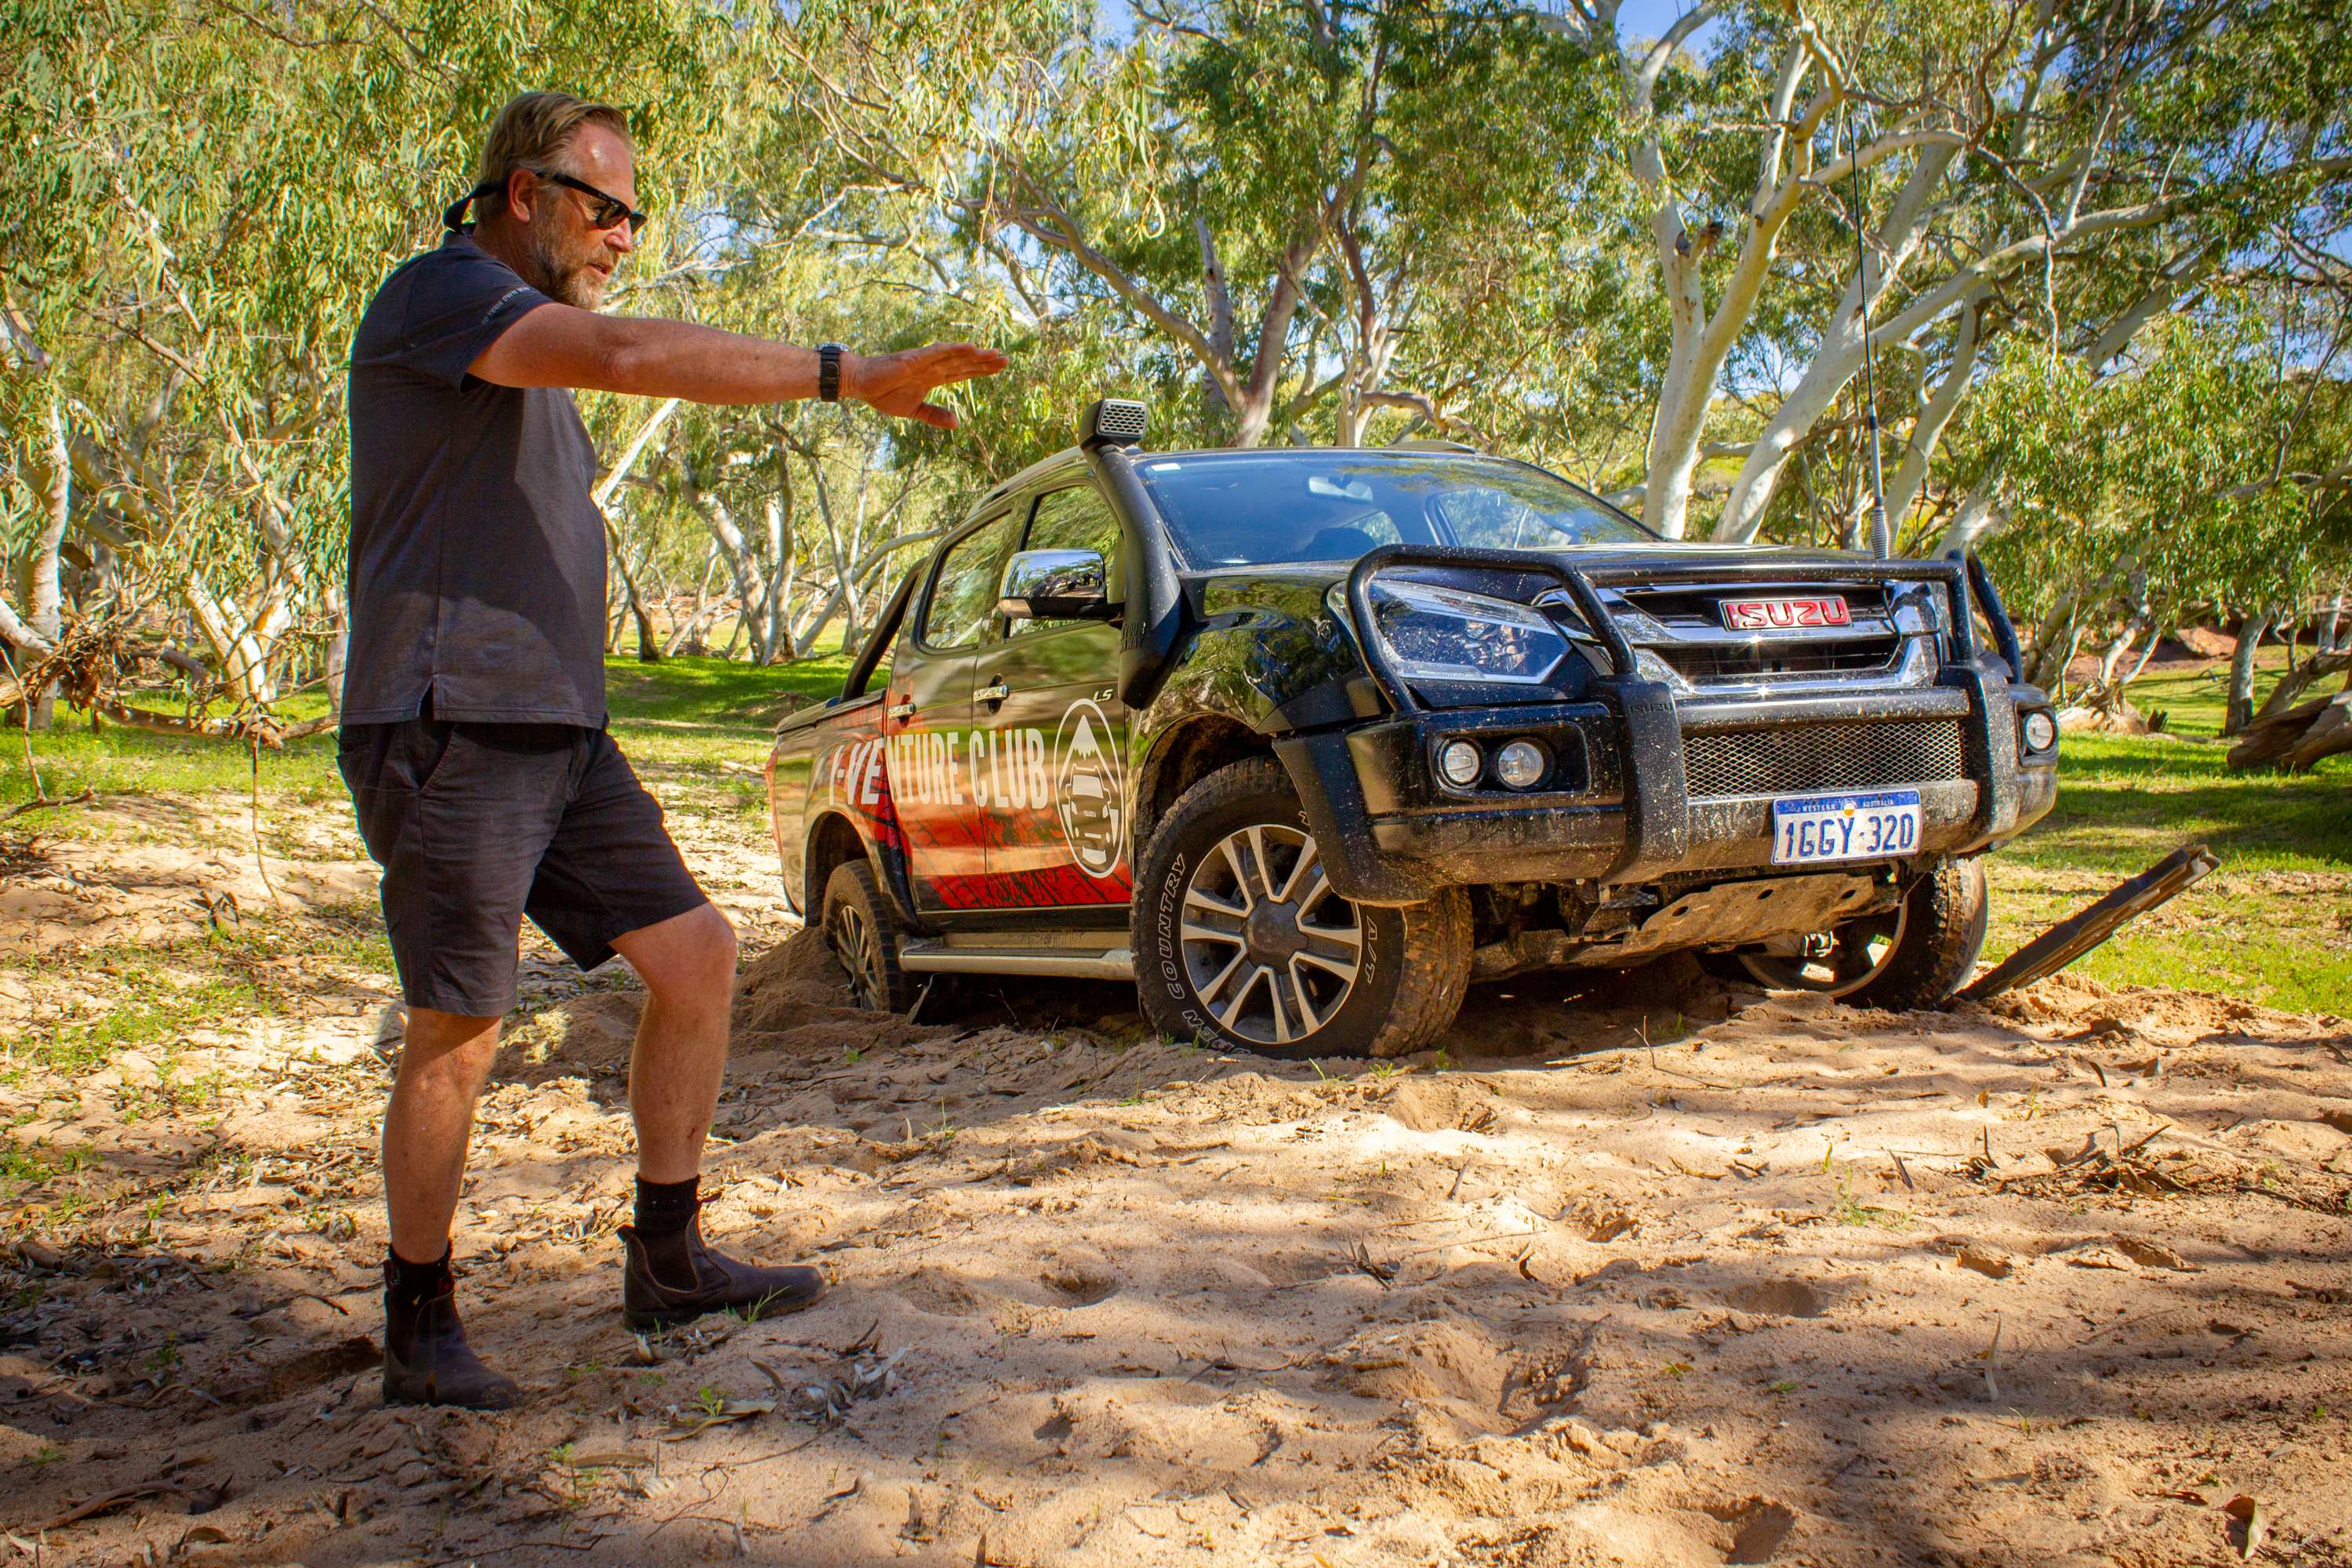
point(1640, 1272)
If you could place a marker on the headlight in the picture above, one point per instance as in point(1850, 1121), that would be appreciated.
point(1444, 633)
point(2041, 731)
point(1460, 762)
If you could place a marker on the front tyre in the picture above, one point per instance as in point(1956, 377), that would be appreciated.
point(858, 928)
point(1241, 942)
point(1914, 955)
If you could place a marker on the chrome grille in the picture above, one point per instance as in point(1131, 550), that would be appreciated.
point(1698, 606)
point(1696, 661)
point(1823, 757)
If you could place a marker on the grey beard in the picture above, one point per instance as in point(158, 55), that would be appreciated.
point(580, 287)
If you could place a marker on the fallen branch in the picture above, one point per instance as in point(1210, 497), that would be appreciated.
point(44, 803)
point(2297, 739)
point(114, 1499)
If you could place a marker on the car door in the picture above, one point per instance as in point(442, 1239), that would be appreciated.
point(928, 720)
point(1052, 734)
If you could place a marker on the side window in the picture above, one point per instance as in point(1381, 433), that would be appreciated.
point(963, 596)
point(1074, 518)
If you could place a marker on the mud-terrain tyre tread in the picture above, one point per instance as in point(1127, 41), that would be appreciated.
point(1944, 920)
point(1438, 942)
point(853, 882)
point(1430, 942)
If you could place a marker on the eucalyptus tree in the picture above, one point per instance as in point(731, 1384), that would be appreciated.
point(1320, 211)
point(198, 202)
point(2140, 501)
point(2073, 169)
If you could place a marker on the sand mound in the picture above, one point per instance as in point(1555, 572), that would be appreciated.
point(793, 1000)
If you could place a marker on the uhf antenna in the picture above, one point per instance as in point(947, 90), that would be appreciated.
point(1882, 538)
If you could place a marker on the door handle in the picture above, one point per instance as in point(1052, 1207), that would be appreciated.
point(899, 709)
point(996, 693)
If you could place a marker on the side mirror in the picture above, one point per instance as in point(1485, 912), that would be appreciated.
point(1056, 585)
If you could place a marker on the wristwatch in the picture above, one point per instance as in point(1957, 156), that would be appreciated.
point(828, 372)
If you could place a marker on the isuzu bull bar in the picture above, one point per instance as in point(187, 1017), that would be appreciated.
point(1654, 771)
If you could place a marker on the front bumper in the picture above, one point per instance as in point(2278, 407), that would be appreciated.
point(1619, 807)
point(1620, 803)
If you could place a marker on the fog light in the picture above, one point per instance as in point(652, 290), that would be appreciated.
point(1459, 761)
point(2041, 732)
point(1521, 764)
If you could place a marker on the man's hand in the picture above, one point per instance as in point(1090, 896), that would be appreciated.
point(898, 384)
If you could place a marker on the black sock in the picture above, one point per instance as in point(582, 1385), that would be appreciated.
point(666, 1208)
point(412, 1283)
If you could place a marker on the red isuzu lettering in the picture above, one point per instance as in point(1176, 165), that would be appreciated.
point(1781, 614)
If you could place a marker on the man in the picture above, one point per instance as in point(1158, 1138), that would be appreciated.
point(474, 738)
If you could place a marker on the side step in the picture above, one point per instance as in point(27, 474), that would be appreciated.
point(930, 956)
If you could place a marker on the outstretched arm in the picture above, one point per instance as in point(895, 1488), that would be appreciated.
point(560, 345)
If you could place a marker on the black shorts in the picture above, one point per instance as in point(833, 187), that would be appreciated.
point(477, 825)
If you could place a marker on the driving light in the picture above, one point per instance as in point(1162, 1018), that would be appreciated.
point(1444, 633)
point(1521, 764)
point(2041, 732)
point(1459, 761)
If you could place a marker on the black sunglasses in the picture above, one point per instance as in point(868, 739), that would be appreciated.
point(609, 211)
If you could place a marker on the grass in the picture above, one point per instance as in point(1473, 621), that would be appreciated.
point(681, 720)
point(2274, 925)
point(19, 1166)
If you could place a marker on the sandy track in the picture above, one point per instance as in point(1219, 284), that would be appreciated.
point(1649, 1274)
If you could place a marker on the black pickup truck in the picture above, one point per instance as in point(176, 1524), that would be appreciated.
point(1305, 741)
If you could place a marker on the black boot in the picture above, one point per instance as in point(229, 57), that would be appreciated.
point(670, 1278)
point(427, 1360)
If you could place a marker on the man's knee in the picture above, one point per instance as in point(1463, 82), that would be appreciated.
point(449, 1043)
point(686, 959)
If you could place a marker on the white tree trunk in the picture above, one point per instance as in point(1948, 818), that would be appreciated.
point(2240, 708)
point(1838, 356)
point(43, 596)
point(1975, 519)
point(1927, 428)
point(338, 648)
point(753, 586)
point(241, 641)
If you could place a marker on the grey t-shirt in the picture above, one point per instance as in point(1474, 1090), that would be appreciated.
point(478, 553)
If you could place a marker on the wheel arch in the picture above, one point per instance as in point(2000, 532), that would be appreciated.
point(833, 839)
point(1187, 753)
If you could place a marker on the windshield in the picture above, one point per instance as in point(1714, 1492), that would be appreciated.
point(1259, 509)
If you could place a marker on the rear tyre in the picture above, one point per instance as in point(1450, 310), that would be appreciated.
point(858, 928)
point(1241, 942)
point(1914, 955)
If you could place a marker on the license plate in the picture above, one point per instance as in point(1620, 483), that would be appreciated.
point(1809, 829)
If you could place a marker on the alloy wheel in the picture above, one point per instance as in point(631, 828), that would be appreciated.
point(1270, 949)
point(858, 947)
